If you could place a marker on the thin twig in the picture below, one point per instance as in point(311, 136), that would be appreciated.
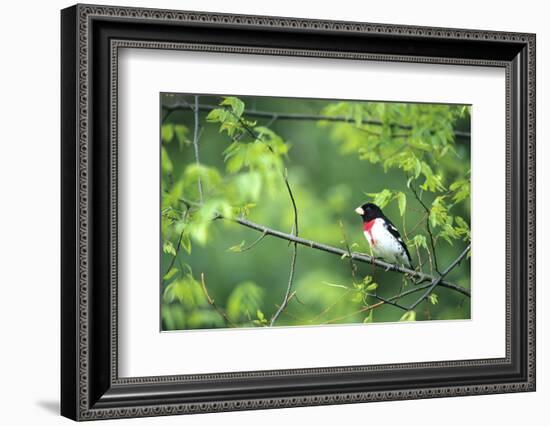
point(436, 281)
point(365, 309)
point(428, 228)
point(387, 301)
point(254, 243)
point(285, 176)
point(294, 254)
point(292, 295)
point(213, 304)
point(301, 117)
point(352, 265)
point(328, 308)
point(173, 260)
point(196, 145)
point(376, 305)
point(418, 223)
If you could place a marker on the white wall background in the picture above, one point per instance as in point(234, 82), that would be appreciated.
point(29, 212)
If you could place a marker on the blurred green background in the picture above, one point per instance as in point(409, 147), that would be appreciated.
point(373, 151)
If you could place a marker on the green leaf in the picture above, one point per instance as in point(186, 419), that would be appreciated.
point(402, 202)
point(181, 134)
point(420, 241)
point(216, 115)
point(237, 248)
point(433, 181)
point(169, 248)
point(369, 318)
point(170, 274)
point(167, 132)
point(462, 190)
point(187, 291)
point(382, 198)
point(235, 103)
point(367, 280)
point(448, 232)
point(438, 212)
point(371, 287)
point(433, 299)
point(186, 242)
point(462, 228)
point(408, 316)
point(166, 163)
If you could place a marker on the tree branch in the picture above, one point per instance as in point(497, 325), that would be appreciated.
point(294, 254)
point(173, 260)
point(365, 258)
point(252, 244)
point(196, 144)
point(376, 305)
point(299, 117)
point(352, 265)
point(428, 228)
point(422, 277)
point(438, 280)
point(213, 304)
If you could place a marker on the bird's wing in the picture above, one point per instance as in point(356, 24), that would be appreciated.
point(393, 230)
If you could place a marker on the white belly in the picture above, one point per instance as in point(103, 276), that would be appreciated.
point(384, 245)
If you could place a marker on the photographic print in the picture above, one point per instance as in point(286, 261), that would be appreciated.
point(312, 212)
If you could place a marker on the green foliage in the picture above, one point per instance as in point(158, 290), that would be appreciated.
point(367, 285)
point(185, 290)
point(419, 241)
point(461, 190)
point(402, 202)
point(173, 316)
point(400, 156)
point(170, 131)
point(200, 221)
point(169, 248)
point(370, 317)
point(170, 274)
point(245, 301)
point(261, 319)
point(384, 197)
point(420, 146)
point(408, 316)
point(167, 132)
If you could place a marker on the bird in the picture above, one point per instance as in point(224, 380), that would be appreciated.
point(383, 237)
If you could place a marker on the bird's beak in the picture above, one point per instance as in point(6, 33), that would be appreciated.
point(359, 211)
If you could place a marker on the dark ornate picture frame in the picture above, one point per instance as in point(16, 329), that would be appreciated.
point(90, 385)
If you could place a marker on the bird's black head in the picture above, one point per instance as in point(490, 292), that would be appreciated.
point(369, 211)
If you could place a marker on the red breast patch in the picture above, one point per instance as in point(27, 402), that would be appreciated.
point(367, 227)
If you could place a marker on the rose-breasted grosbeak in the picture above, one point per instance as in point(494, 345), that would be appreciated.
point(383, 237)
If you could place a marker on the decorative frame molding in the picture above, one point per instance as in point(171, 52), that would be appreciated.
point(91, 37)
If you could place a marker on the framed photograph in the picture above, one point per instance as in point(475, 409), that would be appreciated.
point(263, 212)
